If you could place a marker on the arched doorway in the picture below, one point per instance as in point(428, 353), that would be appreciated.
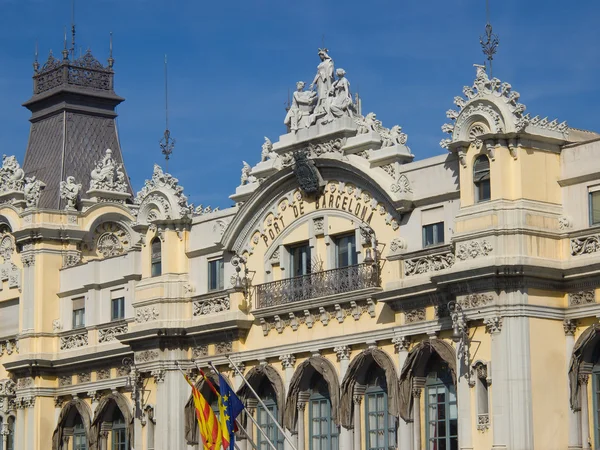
point(441, 411)
point(112, 424)
point(73, 427)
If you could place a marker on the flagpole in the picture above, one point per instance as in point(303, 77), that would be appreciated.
point(285, 436)
point(246, 433)
point(247, 412)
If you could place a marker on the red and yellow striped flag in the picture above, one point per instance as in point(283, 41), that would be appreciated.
point(208, 424)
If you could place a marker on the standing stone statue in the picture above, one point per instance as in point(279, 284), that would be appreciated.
point(69, 191)
point(33, 191)
point(323, 80)
point(301, 108)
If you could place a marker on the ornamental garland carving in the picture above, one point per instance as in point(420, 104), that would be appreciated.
point(414, 315)
point(146, 314)
point(585, 245)
point(426, 264)
point(103, 374)
point(200, 351)
point(65, 380)
point(473, 250)
point(111, 333)
point(9, 347)
point(74, 341)
point(309, 317)
point(146, 356)
point(223, 347)
point(211, 306)
point(84, 377)
point(582, 298)
point(475, 300)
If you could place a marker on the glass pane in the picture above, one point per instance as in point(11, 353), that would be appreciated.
point(595, 207)
point(428, 235)
point(439, 227)
point(484, 190)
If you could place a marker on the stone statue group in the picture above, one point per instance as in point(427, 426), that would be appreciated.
point(331, 100)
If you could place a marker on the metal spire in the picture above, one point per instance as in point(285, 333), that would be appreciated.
point(72, 29)
point(167, 143)
point(489, 46)
point(36, 64)
point(111, 60)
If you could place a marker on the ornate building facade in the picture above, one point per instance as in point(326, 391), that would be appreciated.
point(373, 301)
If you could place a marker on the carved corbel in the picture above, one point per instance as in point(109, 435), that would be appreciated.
point(513, 147)
point(462, 156)
point(490, 148)
point(339, 313)
point(324, 316)
point(293, 321)
point(279, 325)
point(265, 326)
point(371, 307)
point(309, 318)
point(356, 312)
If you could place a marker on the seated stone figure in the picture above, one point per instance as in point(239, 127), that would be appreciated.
point(341, 102)
point(302, 106)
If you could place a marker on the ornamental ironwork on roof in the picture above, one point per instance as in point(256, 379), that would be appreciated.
point(85, 71)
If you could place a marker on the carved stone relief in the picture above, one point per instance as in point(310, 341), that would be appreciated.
point(211, 306)
point(473, 249)
point(582, 298)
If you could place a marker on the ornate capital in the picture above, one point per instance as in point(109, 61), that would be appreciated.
point(301, 405)
point(401, 343)
point(58, 401)
point(583, 379)
point(416, 391)
point(357, 399)
point(493, 324)
point(342, 352)
point(287, 361)
point(570, 326)
point(159, 375)
point(240, 366)
point(28, 260)
point(94, 396)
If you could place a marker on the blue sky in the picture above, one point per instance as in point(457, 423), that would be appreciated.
point(231, 65)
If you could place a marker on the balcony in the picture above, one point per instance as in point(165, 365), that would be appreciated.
point(315, 285)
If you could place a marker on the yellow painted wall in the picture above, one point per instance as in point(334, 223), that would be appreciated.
point(549, 387)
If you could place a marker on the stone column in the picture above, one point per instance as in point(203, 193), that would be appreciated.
point(287, 363)
point(31, 428)
point(171, 395)
point(585, 417)
point(343, 356)
point(250, 410)
point(4, 432)
point(28, 296)
point(20, 426)
point(404, 432)
point(357, 398)
point(300, 426)
point(463, 394)
point(417, 390)
point(574, 420)
point(103, 440)
point(500, 391)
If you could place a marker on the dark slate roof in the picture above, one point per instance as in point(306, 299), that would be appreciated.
point(80, 92)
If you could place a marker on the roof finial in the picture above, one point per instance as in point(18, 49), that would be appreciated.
point(111, 60)
point(36, 65)
point(72, 29)
point(65, 51)
point(490, 45)
point(167, 143)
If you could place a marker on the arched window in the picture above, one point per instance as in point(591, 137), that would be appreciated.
point(156, 258)
point(267, 394)
point(441, 416)
point(323, 431)
point(380, 425)
point(119, 431)
point(79, 437)
point(481, 178)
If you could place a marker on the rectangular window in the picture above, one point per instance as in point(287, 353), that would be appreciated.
point(345, 250)
point(380, 428)
point(215, 274)
point(433, 234)
point(595, 208)
point(9, 317)
point(119, 441)
point(300, 260)
point(442, 418)
point(79, 312)
point(117, 308)
point(269, 427)
point(323, 432)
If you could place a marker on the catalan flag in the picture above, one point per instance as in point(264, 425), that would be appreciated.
point(208, 424)
point(230, 406)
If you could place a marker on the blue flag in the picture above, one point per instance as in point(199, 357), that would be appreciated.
point(230, 407)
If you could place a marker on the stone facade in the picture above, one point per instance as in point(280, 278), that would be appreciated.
point(347, 274)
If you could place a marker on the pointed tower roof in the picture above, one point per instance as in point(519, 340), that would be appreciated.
point(72, 122)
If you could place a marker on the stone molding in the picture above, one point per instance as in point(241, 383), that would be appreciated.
point(309, 317)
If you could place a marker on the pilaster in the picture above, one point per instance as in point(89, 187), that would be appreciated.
point(402, 345)
point(343, 356)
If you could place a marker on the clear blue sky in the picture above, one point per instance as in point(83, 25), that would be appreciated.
point(231, 64)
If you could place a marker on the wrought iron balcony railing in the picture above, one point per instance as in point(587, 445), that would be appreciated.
point(318, 284)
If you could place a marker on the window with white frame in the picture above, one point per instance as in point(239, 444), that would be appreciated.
point(433, 234)
point(441, 408)
point(78, 312)
point(215, 274)
point(117, 304)
point(481, 178)
point(300, 263)
point(594, 205)
point(323, 432)
point(345, 250)
point(380, 425)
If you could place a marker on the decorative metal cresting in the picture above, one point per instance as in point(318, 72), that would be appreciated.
point(135, 385)
point(491, 42)
point(460, 335)
point(319, 284)
point(167, 143)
